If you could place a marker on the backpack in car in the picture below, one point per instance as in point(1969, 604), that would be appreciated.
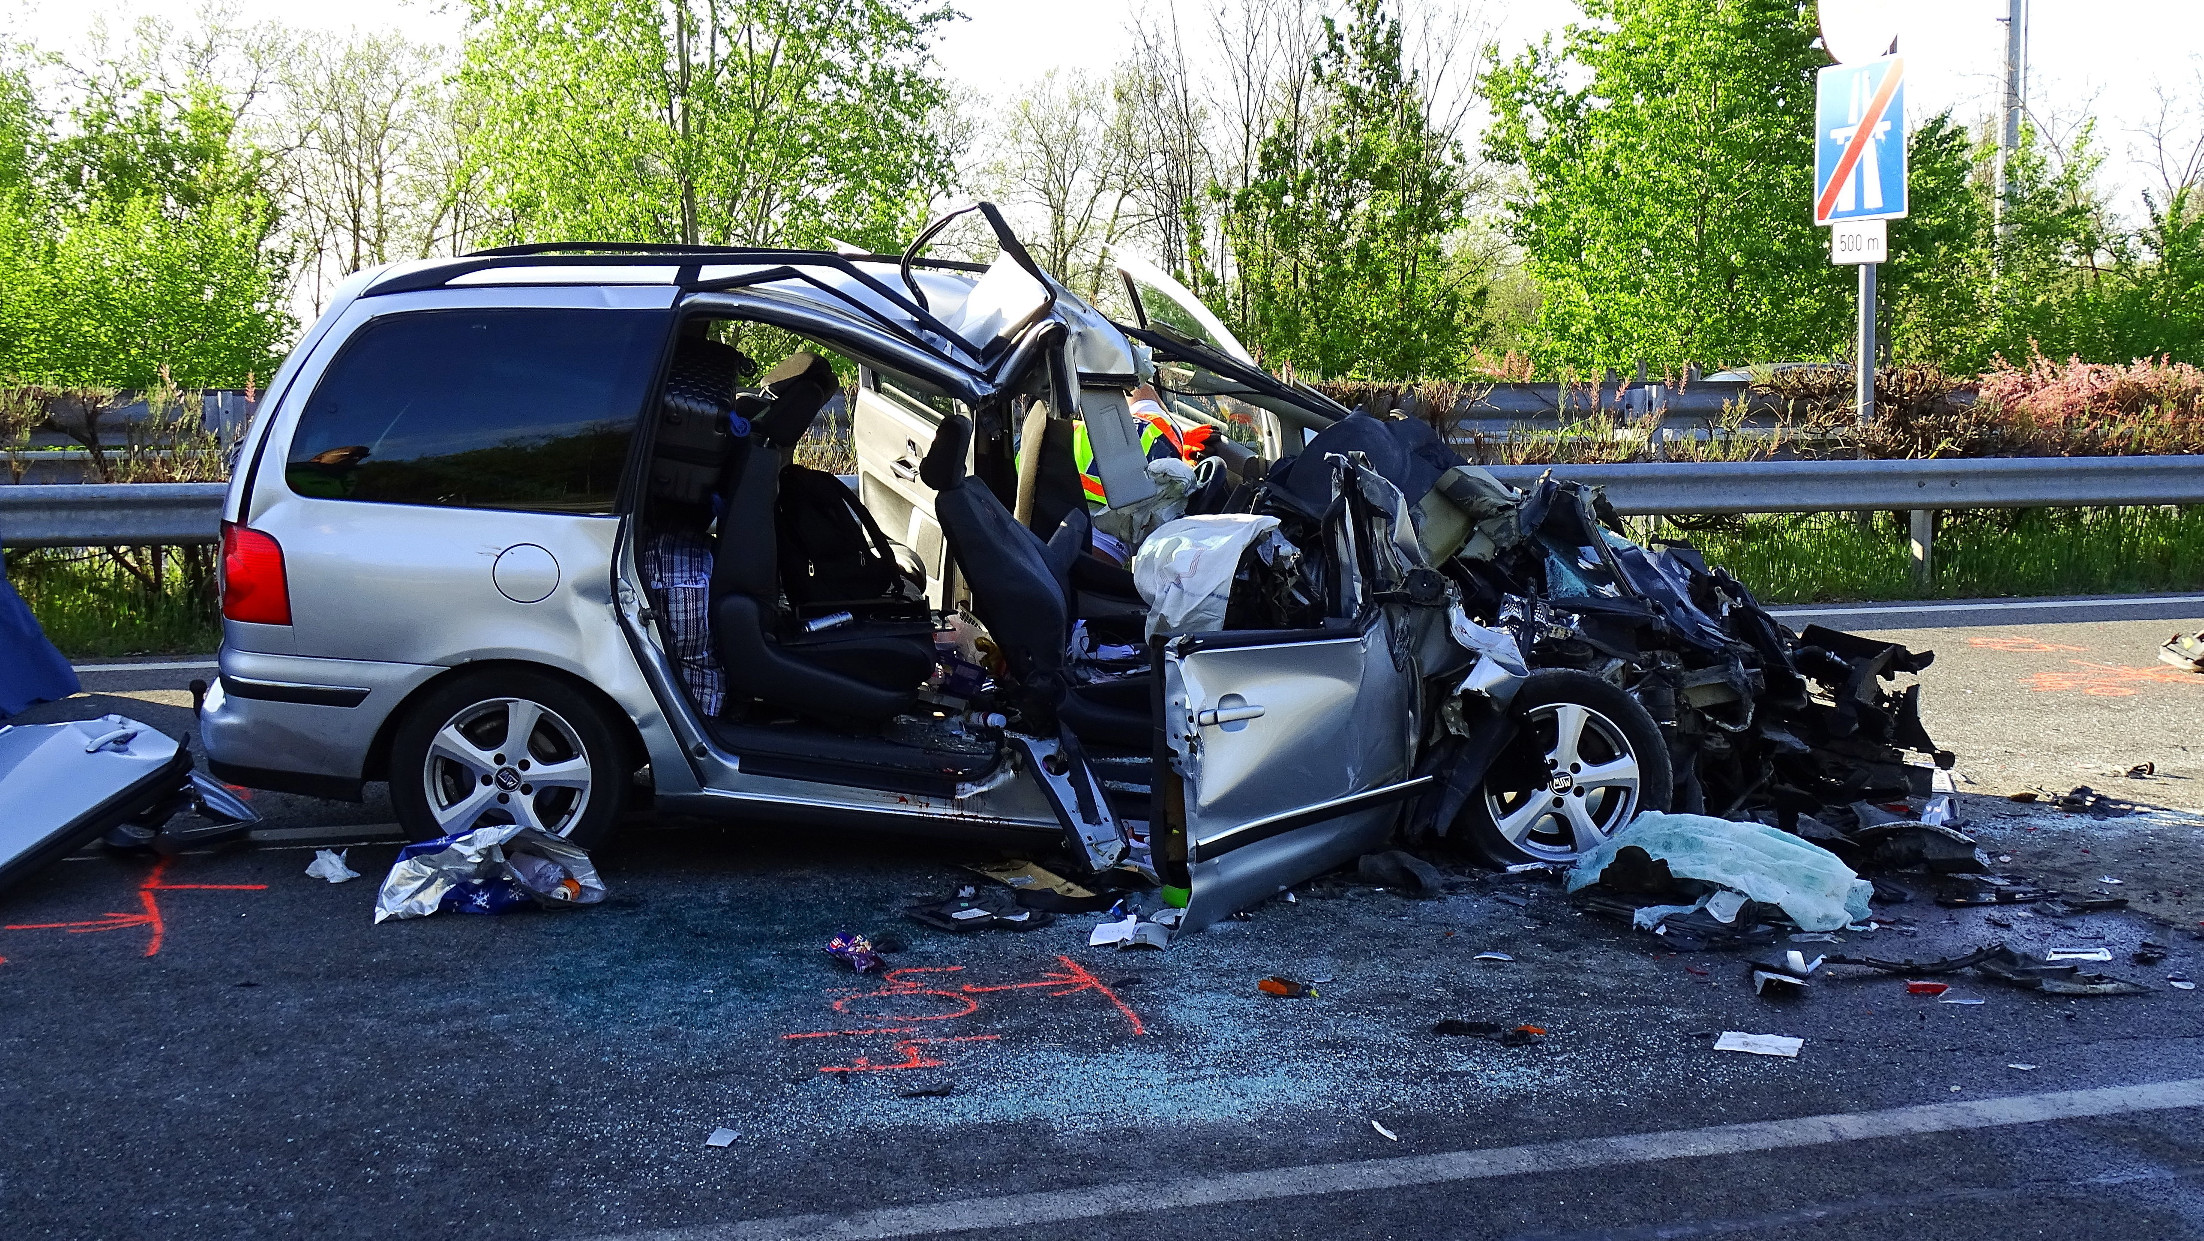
point(831, 550)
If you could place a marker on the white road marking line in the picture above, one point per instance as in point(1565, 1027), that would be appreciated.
point(189, 665)
point(1104, 1201)
point(2002, 605)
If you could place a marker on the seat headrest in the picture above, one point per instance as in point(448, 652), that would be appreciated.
point(943, 468)
point(703, 378)
point(799, 387)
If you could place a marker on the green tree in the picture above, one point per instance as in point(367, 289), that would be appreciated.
point(1665, 165)
point(1341, 238)
point(138, 232)
point(757, 122)
point(1936, 293)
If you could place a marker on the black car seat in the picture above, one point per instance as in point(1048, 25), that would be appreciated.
point(859, 671)
point(1021, 590)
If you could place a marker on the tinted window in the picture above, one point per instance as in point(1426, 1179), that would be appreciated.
point(515, 409)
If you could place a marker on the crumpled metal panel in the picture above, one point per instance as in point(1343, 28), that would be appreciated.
point(1330, 717)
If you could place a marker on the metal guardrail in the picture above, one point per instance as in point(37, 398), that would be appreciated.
point(128, 514)
point(1837, 486)
point(110, 514)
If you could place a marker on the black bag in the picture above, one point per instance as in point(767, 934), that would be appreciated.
point(831, 550)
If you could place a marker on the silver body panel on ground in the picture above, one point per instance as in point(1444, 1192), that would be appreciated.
point(62, 785)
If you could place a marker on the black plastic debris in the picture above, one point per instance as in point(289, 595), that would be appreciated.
point(982, 909)
point(1973, 890)
point(2052, 978)
point(2148, 953)
point(1786, 972)
point(1476, 1029)
point(1405, 873)
point(2003, 964)
point(1908, 844)
point(2086, 800)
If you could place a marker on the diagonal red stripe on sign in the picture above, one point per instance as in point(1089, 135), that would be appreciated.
point(1861, 136)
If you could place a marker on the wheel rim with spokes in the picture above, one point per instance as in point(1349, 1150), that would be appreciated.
point(504, 761)
point(1581, 788)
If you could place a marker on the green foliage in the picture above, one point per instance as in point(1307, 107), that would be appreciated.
point(1936, 299)
point(1665, 158)
point(1833, 558)
point(133, 236)
point(1341, 237)
point(758, 122)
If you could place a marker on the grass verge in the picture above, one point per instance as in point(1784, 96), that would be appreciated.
point(1983, 553)
point(96, 605)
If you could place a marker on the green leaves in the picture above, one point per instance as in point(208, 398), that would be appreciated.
point(1665, 159)
point(1341, 237)
point(134, 237)
point(751, 122)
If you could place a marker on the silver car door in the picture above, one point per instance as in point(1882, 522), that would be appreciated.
point(1284, 754)
point(894, 425)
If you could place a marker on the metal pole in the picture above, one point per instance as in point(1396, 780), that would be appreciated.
point(1864, 369)
point(1921, 545)
point(2016, 68)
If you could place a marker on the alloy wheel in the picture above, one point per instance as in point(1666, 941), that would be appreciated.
point(507, 760)
point(1588, 790)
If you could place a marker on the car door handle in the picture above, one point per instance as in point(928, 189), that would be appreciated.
point(1227, 715)
point(905, 467)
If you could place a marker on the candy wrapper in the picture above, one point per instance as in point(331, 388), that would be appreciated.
point(857, 951)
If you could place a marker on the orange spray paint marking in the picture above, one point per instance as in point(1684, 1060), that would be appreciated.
point(1072, 981)
point(913, 1058)
point(899, 1000)
point(2019, 645)
point(2105, 680)
point(149, 913)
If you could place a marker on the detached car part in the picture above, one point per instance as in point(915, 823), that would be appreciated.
point(65, 785)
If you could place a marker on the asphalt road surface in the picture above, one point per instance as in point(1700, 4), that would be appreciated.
point(220, 1046)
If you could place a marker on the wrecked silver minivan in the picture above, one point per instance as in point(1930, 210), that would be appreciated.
point(523, 534)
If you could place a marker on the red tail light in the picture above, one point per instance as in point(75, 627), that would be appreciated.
point(254, 588)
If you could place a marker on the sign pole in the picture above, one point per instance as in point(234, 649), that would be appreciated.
point(1864, 368)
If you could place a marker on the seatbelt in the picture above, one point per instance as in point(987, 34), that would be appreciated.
point(1030, 436)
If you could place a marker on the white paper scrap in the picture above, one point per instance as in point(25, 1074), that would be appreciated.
point(1759, 1044)
point(1114, 932)
point(2025, 1068)
point(2078, 954)
point(1384, 1132)
point(330, 865)
point(722, 1137)
point(1723, 905)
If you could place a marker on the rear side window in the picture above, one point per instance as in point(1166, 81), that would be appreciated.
point(508, 409)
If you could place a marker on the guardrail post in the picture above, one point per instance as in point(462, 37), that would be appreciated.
point(1920, 547)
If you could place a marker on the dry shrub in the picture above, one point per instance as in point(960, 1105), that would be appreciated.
point(2077, 408)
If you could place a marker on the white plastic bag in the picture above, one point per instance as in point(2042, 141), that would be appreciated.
point(330, 865)
point(1185, 568)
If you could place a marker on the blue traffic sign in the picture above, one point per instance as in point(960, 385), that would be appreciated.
point(1860, 142)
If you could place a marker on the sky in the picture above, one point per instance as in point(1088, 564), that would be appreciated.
point(2103, 56)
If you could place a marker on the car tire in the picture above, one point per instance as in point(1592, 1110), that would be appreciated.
point(1529, 809)
point(454, 767)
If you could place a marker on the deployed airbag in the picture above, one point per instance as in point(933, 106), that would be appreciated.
point(1184, 570)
